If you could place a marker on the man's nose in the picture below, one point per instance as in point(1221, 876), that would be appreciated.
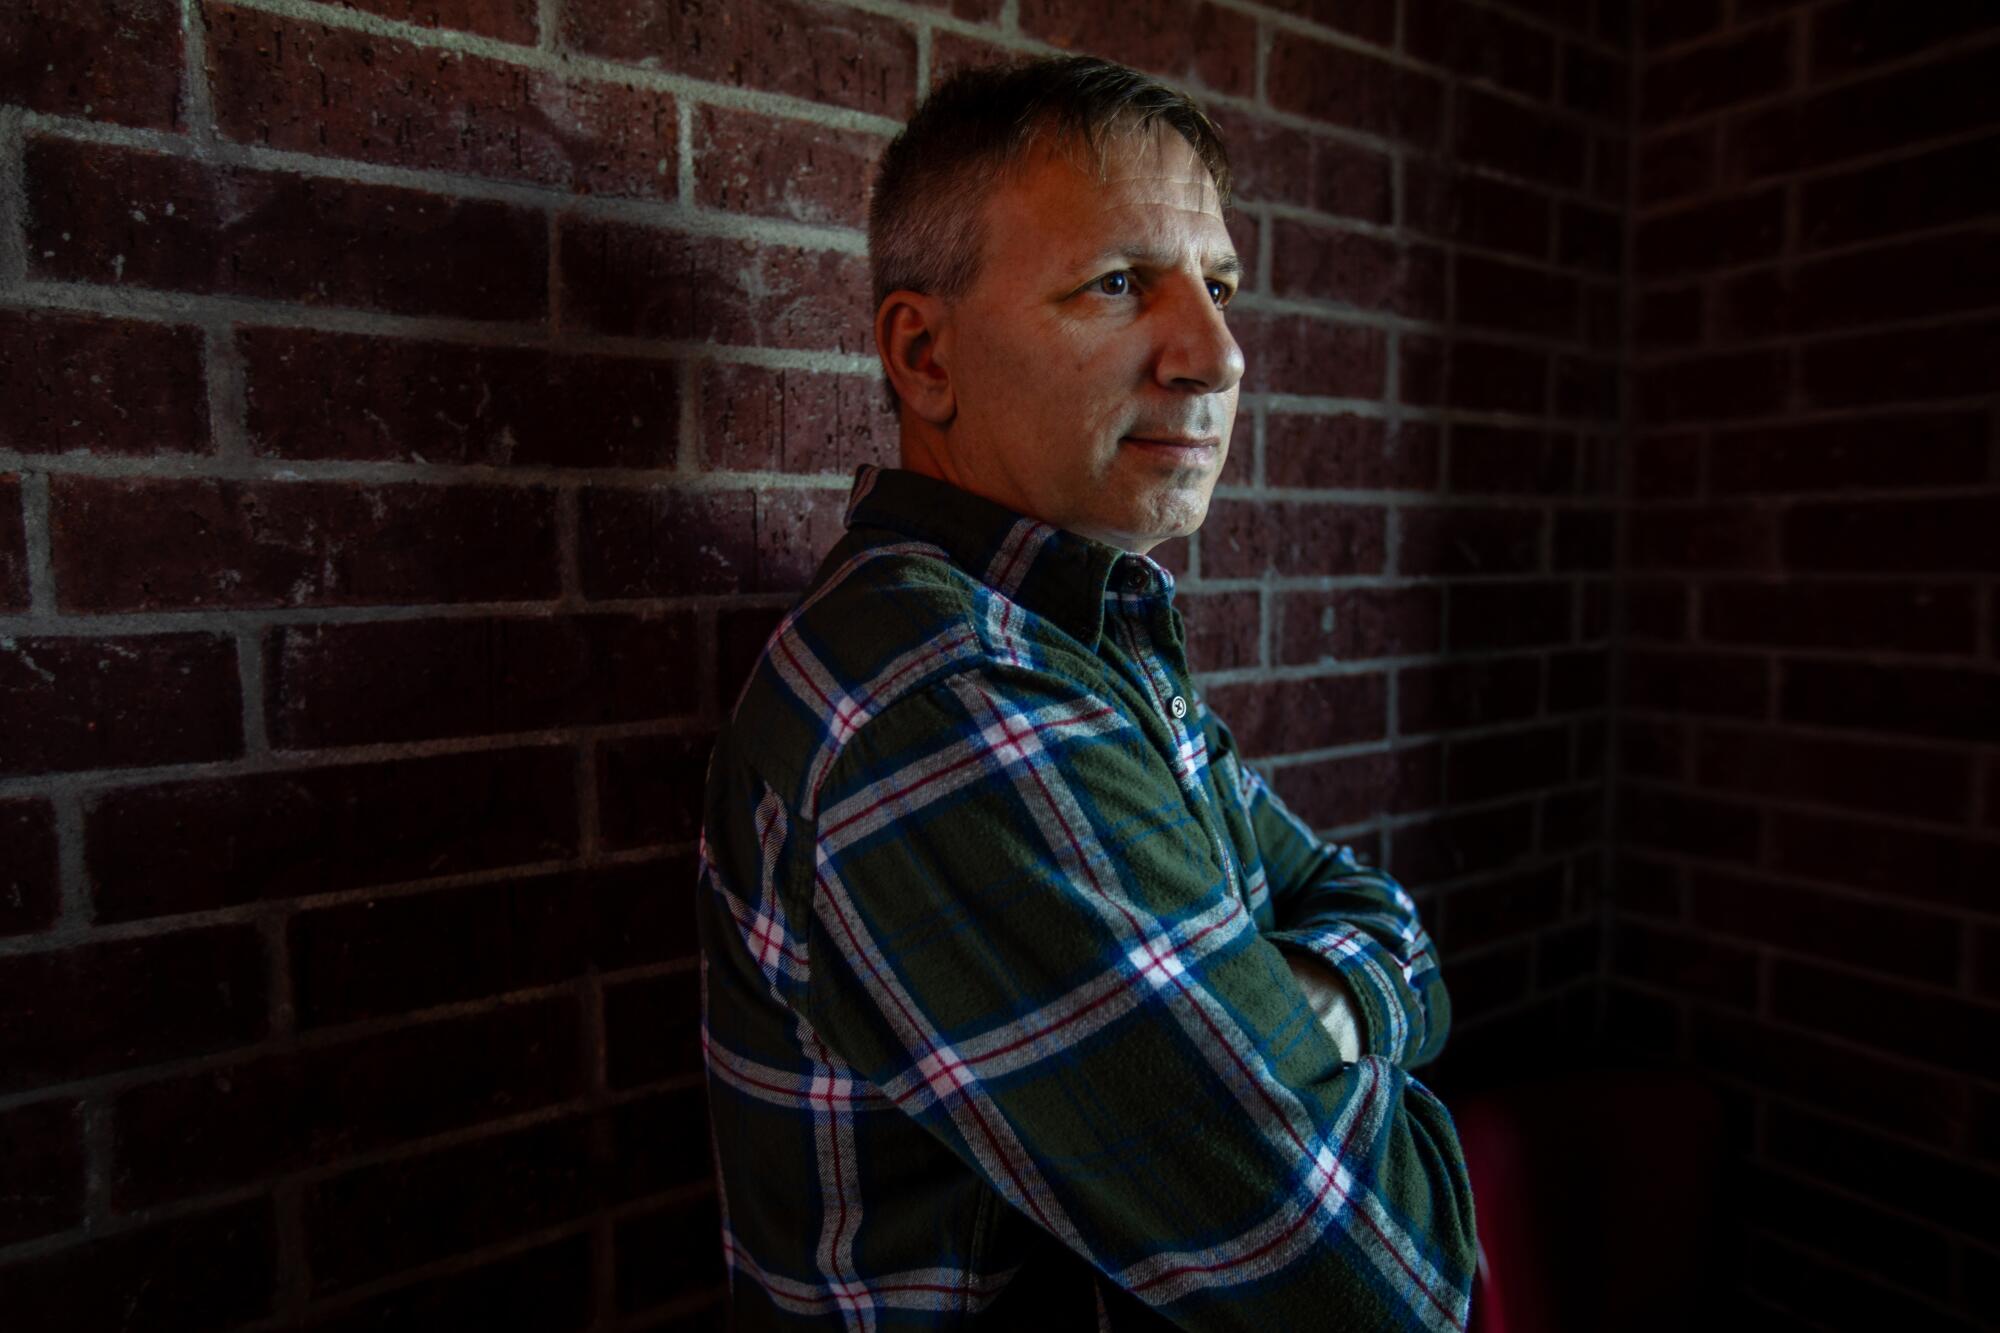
point(1197, 352)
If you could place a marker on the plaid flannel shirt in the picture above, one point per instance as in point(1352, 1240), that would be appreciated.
point(999, 1028)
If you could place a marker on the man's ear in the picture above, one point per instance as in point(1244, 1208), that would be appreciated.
point(908, 327)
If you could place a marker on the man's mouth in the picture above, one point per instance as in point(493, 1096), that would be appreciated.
point(1186, 449)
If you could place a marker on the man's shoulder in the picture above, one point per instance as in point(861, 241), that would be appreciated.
point(883, 620)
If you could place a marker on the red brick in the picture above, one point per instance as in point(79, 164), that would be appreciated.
point(1904, 864)
point(1731, 231)
point(232, 1124)
point(1504, 459)
point(266, 234)
point(391, 956)
point(802, 48)
point(217, 842)
point(509, 20)
point(1587, 389)
point(1929, 1186)
point(1886, 778)
point(1452, 694)
point(1591, 238)
point(1740, 68)
point(1492, 979)
point(1496, 377)
point(1284, 165)
point(1945, 533)
point(1283, 716)
point(314, 394)
point(41, 1158)
point(1610, 169)
point(546, 1287)
point(1922, 279)
point(1676, 165)
point(1371, 20)
point(1834, 1076)
point(1181, 39)
point(1951, 96)
point(1735, 384)
point(649, 789)
point(214, 1269)
point(1594, 84)
point(658, 543)
point(369, 1222)
point(1522, 141)
point(1860, 616)
point(1936, 449)
point(1855, 34)
point(1353, 788)
point(1921, 946)
point(92, 1008)
point(1666, 22)
point(1222, 629)
point(661, 1143)
point(1656, 611)
point(68, 704)
point(1656, 748)
point(1476, 209)
point(1735, 538)
point(656, 1265)
point(1927, 1025)
point(106, 386)
point(1481, 43)
point(1584, 540)
point(1943, 702)
point(1244, 538)
point(1670, 316)
point(791, 169)
point(1502, 764)
point(1349, 451)
point(1686, 964)
point(1321, 263)
point(772, 419)
point(1708, 683)
point(1304, 355)
point(741, 633)
point(14, 591)
point(954, 51)
point(1501, 909)
point(633, 281)
point(129, 544)
point(1464, 842)
point(652, 1029)
point(1908, 366)
point(1356, 623)
point(1956, 184)
point(1465, 539)
point(405, 680)
point(1510, 296)
point(30, 889)
point(305, 88)
point(111, 62)
point(1506, 615)
point(641, 912)
point(1344, 87)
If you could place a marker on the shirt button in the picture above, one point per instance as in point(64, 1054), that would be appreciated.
point(1178, 706)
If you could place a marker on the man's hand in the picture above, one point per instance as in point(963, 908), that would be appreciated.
point(1327, 992)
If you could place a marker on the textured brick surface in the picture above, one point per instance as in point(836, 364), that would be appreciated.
point(79, 703)
point(319, 395)
point(118, 62)
point(101, 386)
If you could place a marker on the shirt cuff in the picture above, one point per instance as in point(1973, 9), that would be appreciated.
point(1372, 975)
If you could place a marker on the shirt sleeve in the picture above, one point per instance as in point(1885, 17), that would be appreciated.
point(1021, 935)
point(1357, 919)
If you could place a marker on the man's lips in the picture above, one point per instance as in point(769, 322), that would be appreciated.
point(1175, 441)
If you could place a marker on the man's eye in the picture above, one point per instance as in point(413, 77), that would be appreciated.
point(1220, 292)
point(1115, 284)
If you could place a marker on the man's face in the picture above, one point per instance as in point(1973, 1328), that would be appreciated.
point(1093, 377)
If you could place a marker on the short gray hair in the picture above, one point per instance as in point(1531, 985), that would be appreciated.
point(924, 231)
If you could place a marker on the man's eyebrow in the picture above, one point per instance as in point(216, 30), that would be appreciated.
point(1227, 262)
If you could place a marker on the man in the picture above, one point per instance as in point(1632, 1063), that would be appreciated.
point(1026, 1004)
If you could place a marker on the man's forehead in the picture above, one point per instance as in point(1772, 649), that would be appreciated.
point(1127, 163)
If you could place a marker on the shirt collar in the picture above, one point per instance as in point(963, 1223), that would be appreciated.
point(1061, 575)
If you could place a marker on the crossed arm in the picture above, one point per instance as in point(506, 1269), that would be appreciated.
point(1090, 1021)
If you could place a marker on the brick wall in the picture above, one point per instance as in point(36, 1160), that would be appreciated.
point(1809, 726)
point(416, 413)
